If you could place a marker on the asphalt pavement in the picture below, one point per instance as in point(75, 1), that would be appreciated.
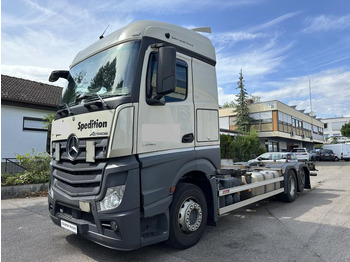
point(316, 227)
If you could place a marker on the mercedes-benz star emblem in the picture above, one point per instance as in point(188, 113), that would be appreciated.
point(73, 147)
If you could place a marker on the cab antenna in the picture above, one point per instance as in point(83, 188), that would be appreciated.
point(101, 36)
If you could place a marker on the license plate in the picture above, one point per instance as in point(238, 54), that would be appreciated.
point(69, 226)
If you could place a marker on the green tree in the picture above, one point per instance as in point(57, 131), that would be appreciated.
point(243, 120)
point(226, 144)
point(229, 104)
point(334, 140)
point(48, 118)
point(246, 147)
point(345, 130)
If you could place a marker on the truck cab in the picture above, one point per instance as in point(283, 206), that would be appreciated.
point(139, 115)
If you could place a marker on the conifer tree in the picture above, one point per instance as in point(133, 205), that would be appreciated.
point(243, 120)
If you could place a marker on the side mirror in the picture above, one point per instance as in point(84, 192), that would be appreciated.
point(55, 75)
point(166, 76)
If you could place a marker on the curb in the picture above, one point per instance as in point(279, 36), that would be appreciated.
point(22, 190)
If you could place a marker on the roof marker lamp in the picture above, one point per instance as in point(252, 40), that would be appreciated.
point(113, 198)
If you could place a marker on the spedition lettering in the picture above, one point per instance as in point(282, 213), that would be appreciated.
point(92, 124)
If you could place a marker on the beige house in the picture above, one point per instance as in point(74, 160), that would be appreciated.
point(281, 127)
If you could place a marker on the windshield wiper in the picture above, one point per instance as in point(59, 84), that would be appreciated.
point(66, 108)
point(83, 96)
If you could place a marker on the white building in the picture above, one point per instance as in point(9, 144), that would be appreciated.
point(280, 127)
point(332, 127)
point(24, 104)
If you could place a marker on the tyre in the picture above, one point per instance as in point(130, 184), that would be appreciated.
point(188, 216)
point(302, 177)
point(291, 187)
point(336, 158)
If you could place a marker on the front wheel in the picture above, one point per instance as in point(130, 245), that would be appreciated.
point(188, 216)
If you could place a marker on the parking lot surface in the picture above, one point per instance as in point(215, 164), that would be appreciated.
point(316, 227)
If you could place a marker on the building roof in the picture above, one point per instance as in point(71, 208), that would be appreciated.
point(25, 91)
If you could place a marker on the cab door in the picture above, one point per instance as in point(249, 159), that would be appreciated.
point(169, 124)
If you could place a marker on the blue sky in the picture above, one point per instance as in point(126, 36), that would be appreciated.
point(278, 44)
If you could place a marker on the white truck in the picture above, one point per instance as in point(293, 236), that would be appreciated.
point(135, 143)
point(341, 151)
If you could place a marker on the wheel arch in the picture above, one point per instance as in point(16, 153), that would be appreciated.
point(200, 175)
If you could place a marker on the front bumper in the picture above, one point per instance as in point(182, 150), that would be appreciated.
point(94, 226)
point(93, 223)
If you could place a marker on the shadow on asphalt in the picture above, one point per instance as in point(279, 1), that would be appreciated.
point(237, 234)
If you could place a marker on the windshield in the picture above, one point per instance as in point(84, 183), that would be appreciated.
point(108, 73)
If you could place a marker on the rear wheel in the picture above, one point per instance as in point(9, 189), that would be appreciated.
point(301, 180)
point(291, 187)
point(188, 216)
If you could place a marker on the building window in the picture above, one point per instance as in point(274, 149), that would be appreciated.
point(284, 122)
point(34, 124)
point(271, 146)
point(262, 121)
point(180, 92)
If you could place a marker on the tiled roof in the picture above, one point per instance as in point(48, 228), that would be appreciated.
point(31, 92)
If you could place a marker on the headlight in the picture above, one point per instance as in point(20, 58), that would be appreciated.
point(113, 198)
point(51, 184)
point(50, 191)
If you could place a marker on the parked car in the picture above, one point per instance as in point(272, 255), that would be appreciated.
point(314, 154)
point(275, 157)
point(301, 153)
point(326, 154)
point(341, 151)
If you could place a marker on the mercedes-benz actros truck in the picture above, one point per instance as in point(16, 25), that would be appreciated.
point(135, 143)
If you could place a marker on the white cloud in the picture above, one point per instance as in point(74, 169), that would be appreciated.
point(273, 22)
point(39, 74)
point(226, 98)
point(172, 7)
point(255, 61)
point(330, 91)
point(37, 48)
point(44, 34)
point(327, 23)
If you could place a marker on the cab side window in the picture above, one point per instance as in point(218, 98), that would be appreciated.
point(181, 88)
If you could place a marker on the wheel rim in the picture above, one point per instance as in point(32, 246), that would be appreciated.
point(292, 186)
point(190, 216)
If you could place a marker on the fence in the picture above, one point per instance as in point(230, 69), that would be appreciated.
point(11, 166)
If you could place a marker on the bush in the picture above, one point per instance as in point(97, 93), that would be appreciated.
point(241, 147)
point(37, 170)
point(226, 144)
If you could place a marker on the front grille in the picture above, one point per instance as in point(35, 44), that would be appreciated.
point(79, 178)
point(100, 149)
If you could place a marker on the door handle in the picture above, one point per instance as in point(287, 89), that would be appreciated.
point(188, 138)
